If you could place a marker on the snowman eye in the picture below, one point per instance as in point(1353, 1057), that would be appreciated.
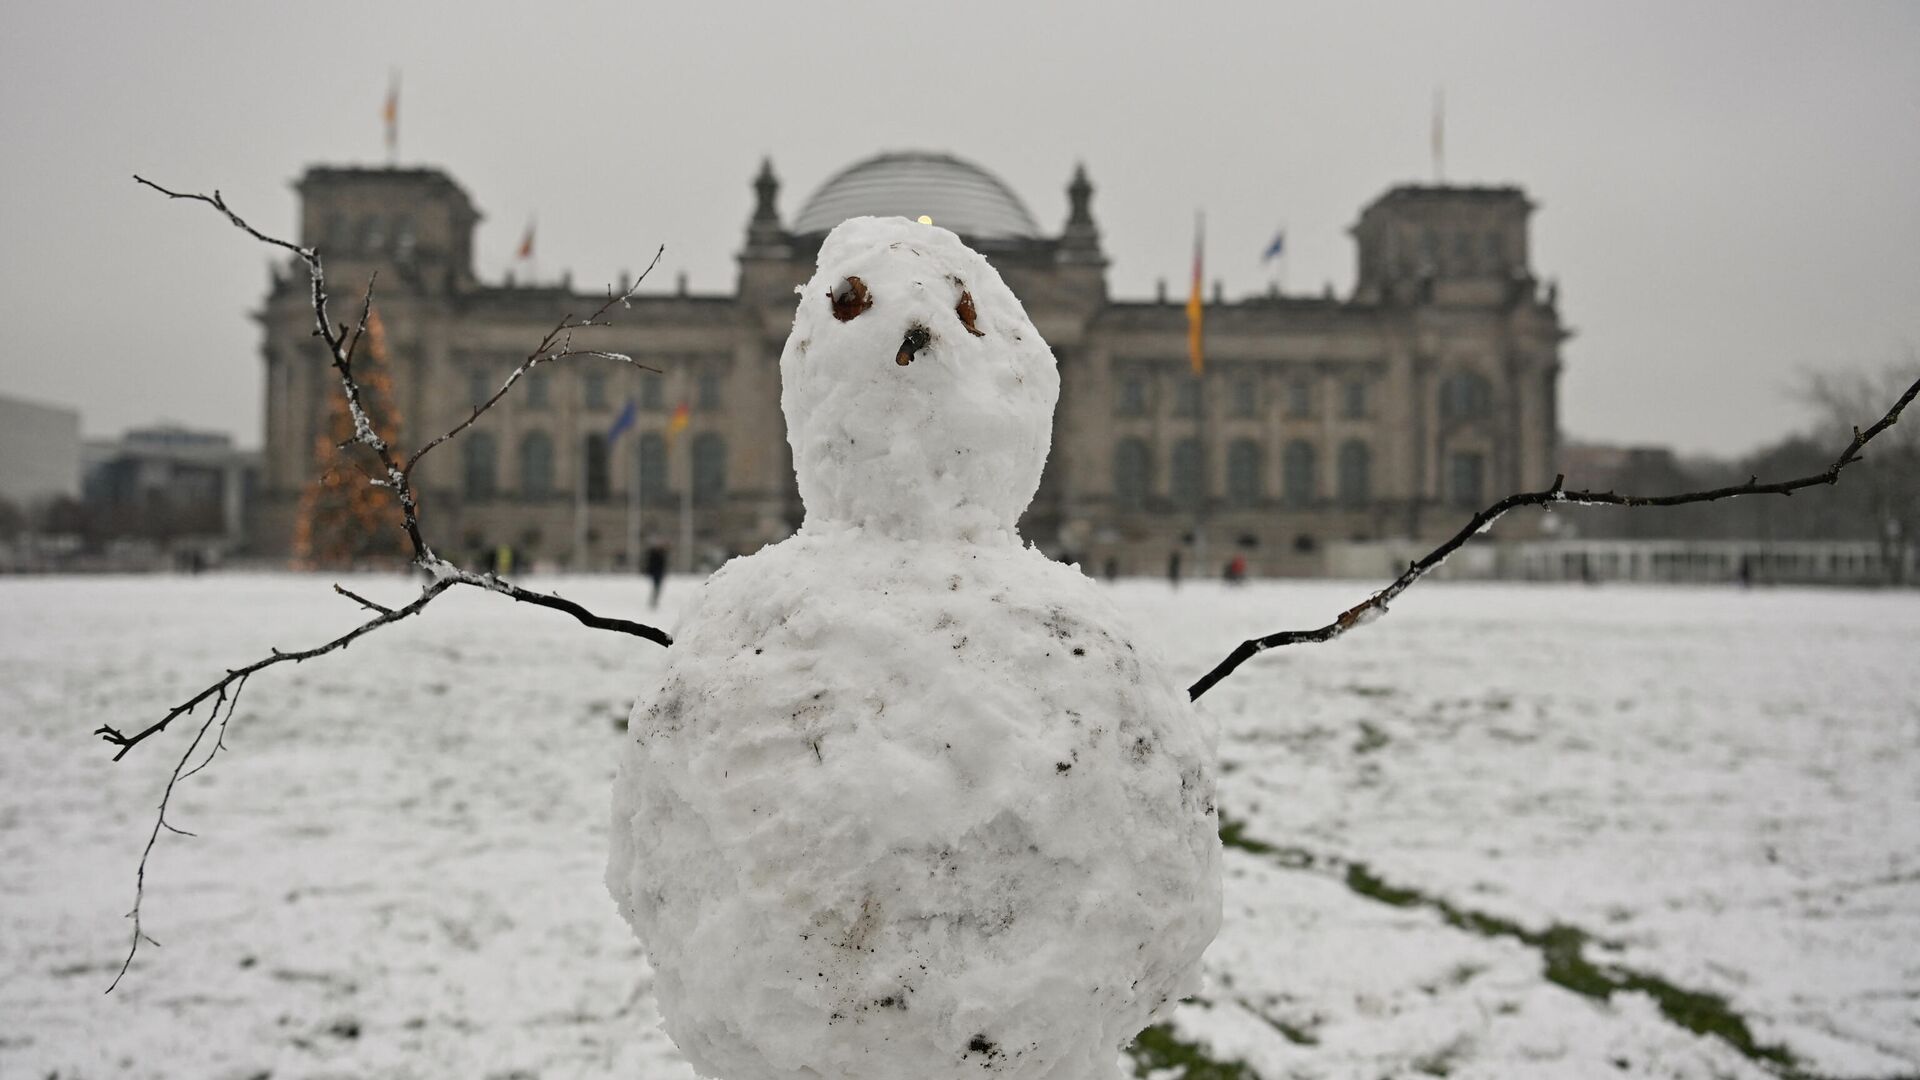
point(850, 299)
point(965, 310)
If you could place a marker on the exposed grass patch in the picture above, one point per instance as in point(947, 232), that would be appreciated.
point(1293, 1033)
point(1158, 1048)
point(1562, 948)
point(1371, 739)
point(1233, 834)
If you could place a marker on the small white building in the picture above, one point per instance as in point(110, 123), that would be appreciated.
point(39, 452)
point(170, 481)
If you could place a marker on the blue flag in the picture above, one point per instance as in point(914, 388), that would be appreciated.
point(1277, 248)
point(621, 422)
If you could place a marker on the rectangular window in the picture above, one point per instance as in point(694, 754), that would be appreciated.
point(653, 391)
point(709, 389)
point(1246, 397)
point(1355, 400)
point(596, 389)
point(539, 389)
point(480, 385)
point(1186, 397)
point(1466, 480)
point(1300, 398)
point(1131, 396)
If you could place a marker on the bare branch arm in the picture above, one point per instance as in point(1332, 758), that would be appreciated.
point(1376, 605)
point(495, 583)
point(395, 475)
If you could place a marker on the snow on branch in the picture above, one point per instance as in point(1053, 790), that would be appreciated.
point(1376, 605)
point(395, 474)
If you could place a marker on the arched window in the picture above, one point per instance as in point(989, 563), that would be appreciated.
point(1189, 485)
point(1132, 473)
point(478, 458)
point(598, 475)
point(709, 467)
point(1356, 463)
point(652, 450)
point(1297, 467)
point(536, 465)
point(1243, 472)
point(1465, 395)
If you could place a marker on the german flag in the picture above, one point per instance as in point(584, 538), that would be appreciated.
point(1196, 303)
point(682, 413)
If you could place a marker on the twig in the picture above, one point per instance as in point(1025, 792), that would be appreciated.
point(218, 690)
point(362, 601)
point(220, 736)
point(160, 822)
point(1376, 605)
point(557, 345)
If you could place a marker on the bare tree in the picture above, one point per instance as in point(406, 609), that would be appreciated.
point(395, 475)
point(1889, 485)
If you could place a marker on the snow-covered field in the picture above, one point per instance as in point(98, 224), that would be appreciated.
point(1505, 832)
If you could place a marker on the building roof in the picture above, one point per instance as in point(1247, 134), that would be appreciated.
point(1403, 194)
point(956, 194)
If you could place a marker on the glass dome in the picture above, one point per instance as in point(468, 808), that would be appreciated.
point(956, 194)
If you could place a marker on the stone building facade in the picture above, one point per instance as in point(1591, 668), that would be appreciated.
point(1320, 420)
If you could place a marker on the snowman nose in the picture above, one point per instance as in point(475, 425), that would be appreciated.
point(917, 338)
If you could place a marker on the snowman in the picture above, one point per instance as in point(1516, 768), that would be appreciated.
point(910, 801)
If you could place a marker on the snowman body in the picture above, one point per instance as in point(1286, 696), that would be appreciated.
point(909, 801)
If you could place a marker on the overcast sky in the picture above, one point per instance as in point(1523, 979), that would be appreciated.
point(1729, 194)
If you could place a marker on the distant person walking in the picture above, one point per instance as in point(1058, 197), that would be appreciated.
point(1173, 569)
point(656, 571)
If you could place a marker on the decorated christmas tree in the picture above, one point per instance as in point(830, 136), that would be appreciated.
point(345, 520)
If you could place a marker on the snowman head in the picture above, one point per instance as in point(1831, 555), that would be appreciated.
point(918, 396)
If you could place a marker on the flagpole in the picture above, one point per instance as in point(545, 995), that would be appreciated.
point(1201, 567)
point(686, 516)
point(633, 508)
point(391, 113)
point(580, 511)
point(1283, 258)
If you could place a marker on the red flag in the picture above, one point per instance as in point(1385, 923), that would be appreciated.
point(526, 243)
point(390, 112)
